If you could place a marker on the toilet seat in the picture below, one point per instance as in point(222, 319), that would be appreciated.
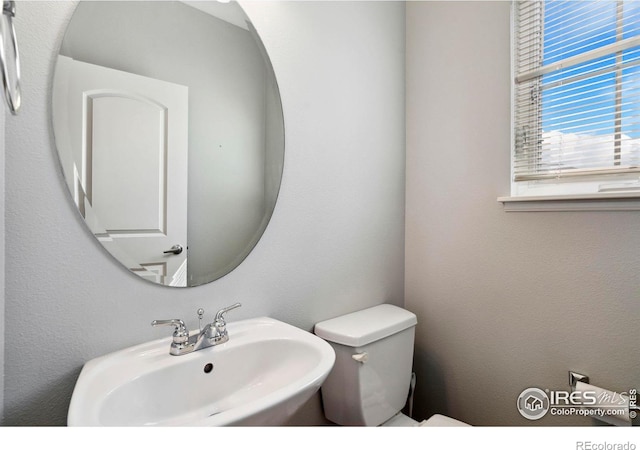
point(400, 420)
point(438, 420)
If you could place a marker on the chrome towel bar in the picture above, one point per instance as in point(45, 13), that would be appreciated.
point(11, 83)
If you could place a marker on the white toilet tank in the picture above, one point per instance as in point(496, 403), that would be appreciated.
point(369, 382)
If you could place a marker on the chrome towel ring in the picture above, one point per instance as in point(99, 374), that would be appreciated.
point(10, 78)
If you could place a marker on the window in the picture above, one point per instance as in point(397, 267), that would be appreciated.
point(576, 97)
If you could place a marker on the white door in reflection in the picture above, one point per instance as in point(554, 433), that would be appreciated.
point(129, 145)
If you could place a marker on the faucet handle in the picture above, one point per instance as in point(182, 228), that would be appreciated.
point(180, 335)
point(220, 326)
point(219, 320)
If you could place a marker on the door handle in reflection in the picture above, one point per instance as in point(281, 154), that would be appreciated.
point(176, 249)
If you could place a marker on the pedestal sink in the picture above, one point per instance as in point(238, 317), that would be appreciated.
point(261, 377)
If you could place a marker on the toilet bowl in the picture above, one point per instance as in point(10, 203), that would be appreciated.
point(437, 420)
point(370, 380)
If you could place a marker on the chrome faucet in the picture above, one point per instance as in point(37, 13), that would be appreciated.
point(211, 334)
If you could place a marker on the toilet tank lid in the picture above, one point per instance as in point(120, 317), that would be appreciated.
point(366, 326)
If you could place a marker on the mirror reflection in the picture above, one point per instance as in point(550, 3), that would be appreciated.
point(168, 124)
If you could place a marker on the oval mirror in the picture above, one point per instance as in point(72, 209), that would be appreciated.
point(169, 128)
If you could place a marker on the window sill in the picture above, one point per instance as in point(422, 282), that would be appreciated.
point(629, 201)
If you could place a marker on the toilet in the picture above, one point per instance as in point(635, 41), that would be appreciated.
point(370, 380)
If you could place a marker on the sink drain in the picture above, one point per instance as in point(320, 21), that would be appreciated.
point(208, 368)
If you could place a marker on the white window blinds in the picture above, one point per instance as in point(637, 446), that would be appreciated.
point(577, 89)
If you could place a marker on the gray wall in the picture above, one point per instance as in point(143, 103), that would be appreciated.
point(2, 264)
point(505, 301)
point(334, 244)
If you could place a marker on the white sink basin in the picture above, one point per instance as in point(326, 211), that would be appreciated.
point(261, 376)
